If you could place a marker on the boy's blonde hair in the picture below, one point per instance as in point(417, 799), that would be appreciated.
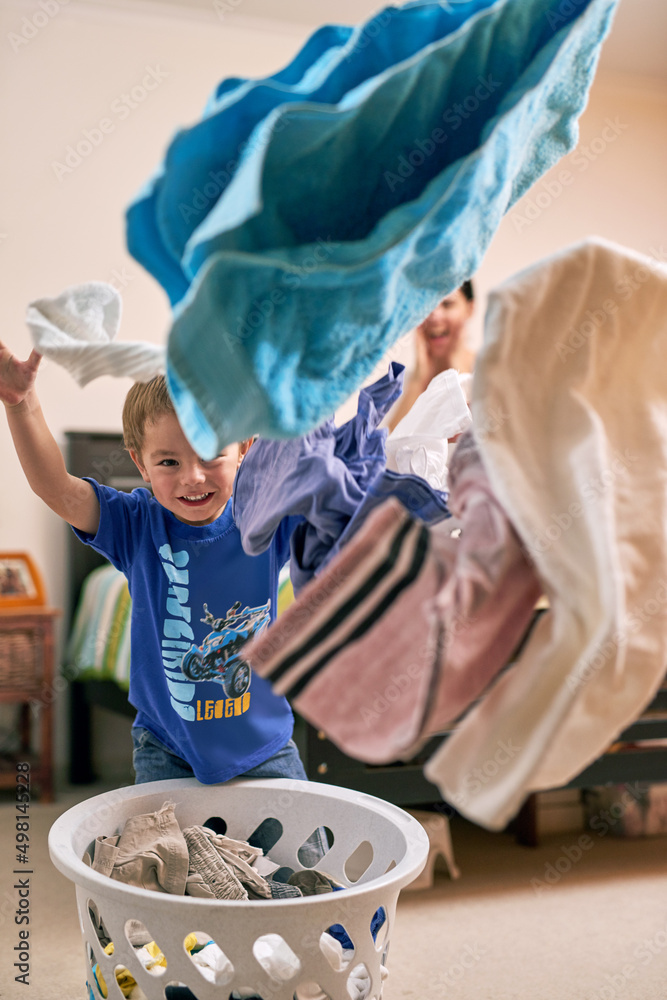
point(144, 403)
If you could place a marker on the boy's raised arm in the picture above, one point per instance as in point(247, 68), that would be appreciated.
point(71, 498)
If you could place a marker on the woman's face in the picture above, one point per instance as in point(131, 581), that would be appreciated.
point(442, 330)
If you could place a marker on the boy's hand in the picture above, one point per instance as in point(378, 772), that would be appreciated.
point(16, 377)
point(41, 459)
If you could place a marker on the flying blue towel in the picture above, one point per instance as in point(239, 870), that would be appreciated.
point(201, 160)
point(311, 219)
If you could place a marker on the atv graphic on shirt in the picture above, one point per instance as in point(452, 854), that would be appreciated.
point(218, 659)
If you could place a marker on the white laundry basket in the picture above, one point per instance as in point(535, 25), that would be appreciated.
point(377, 849)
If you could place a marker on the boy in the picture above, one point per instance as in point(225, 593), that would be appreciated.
point(198, 709)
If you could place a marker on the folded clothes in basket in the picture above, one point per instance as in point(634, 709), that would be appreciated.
point(152, 852)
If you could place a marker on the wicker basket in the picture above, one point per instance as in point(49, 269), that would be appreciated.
point(21, 662)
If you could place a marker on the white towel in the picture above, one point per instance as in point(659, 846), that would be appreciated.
point(418, 443)
point(573, 367)
point(77, 330)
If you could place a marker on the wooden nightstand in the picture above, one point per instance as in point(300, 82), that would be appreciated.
point(26, 678)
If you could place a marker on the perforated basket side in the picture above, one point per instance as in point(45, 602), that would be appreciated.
point(364, 910)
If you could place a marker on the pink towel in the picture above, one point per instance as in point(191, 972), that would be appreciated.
point(364, 652)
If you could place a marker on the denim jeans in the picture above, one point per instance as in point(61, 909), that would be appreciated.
point(154, 762)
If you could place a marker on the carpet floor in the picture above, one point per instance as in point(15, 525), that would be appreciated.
point(571, 919)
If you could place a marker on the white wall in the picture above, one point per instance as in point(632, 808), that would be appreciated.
point(58, 231)
point(612, 185)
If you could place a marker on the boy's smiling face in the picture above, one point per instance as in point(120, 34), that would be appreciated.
point(194, 490)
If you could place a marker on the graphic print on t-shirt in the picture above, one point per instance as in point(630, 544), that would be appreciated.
point(173, 569)
point(218, 658)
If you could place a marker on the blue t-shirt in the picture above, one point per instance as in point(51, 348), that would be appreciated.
point(188, 681)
